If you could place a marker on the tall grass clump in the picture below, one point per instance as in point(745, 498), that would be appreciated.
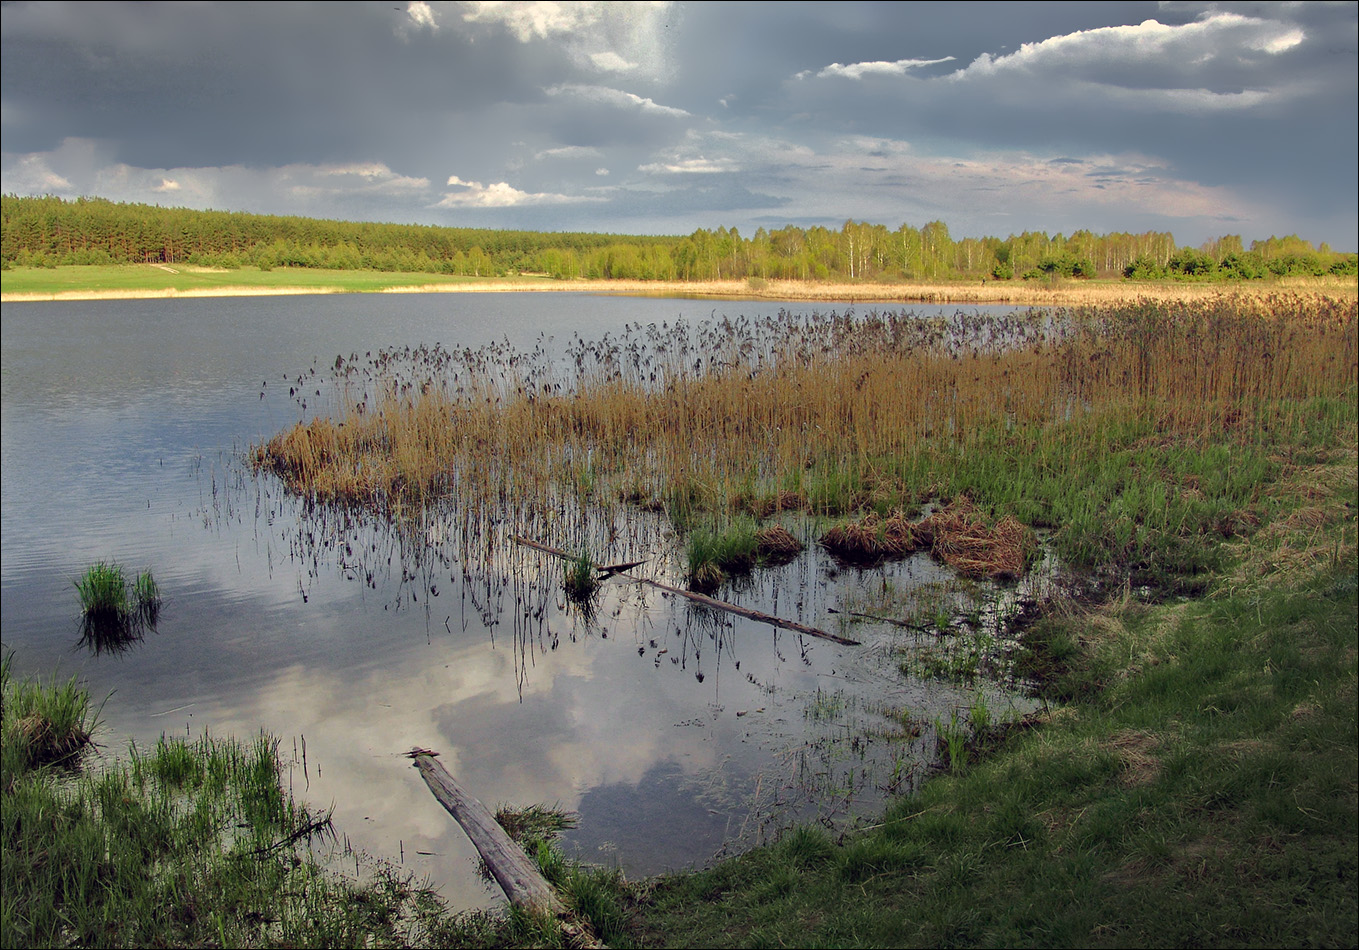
point(104, 594)
point(115, 611)
point(189, 843)
point(146, 593)
point(580, 580)
point(42, 724)
point(714, 552)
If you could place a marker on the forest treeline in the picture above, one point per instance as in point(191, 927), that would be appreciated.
point(51, 231)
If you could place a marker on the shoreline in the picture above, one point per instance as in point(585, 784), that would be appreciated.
point(1066, 293)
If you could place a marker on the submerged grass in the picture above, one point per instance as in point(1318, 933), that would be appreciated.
point(146, 593)
point(580, 580)
point(715, 552)
point(103, 592)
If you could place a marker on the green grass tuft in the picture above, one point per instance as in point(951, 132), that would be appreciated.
point(42, 724)
point(713, 553)
point(103, 592)
point(114, 611)
point(146, 593)
point(580, 579)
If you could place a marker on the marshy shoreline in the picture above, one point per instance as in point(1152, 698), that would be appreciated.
point(1191, 776)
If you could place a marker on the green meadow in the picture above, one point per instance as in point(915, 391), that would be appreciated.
point(132, 279)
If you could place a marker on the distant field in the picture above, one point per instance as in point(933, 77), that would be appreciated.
point(138, 280)
point(146, 280)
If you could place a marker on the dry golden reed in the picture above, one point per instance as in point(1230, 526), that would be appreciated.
point(746, 409)
point(1037, 293)
point(956, 534)
point(776, 543)
point(874, 538)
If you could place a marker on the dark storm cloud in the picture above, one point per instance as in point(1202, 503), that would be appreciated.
point(662, 117)
point(262, 84)
point(602, 116)
point(742, 51)
point(1226, 98)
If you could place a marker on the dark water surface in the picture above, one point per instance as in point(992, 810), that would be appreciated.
point(673, 732)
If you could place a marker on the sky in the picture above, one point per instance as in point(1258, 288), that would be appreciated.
point(1201, 119)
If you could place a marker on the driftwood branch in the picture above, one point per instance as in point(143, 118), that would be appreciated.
point(918, 627)
point(517, 876)
point(608, 570)
point(700, 598)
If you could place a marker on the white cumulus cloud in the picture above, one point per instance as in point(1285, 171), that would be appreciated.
point(420, 17)
point(603, 36)
point(32, 175)
point(898, 67)
point(1196, 45)
point(570, 151)
point(500, 194)
point(610, 62)
point(616, 98)
point(690, 166)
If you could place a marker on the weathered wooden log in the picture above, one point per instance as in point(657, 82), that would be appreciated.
point(517, 876)
point(702, 598)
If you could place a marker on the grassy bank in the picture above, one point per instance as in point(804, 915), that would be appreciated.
point(112, 281)
point(1193, 782)
point(104, 282)
point(187, 844)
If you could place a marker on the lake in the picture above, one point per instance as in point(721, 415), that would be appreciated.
point(674, 732)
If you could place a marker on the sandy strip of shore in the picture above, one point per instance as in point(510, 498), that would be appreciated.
point(1069, 293)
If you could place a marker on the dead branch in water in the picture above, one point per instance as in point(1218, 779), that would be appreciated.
point(701, 598)
point(918, 627)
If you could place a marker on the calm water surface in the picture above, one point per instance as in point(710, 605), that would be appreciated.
point(672, 732)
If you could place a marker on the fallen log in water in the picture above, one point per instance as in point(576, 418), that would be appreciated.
point(698, 598)
point(517, 876)
point(512, 869)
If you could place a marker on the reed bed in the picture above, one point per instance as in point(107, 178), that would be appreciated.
point(843, 414)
